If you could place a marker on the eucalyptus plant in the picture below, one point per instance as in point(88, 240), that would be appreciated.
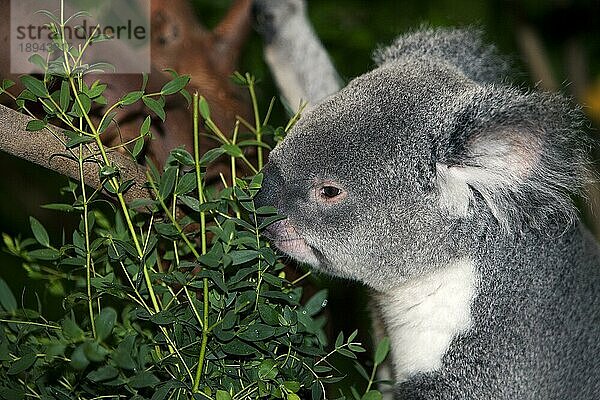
point(174, 296)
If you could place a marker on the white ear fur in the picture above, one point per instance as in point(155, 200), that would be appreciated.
point(495, 166)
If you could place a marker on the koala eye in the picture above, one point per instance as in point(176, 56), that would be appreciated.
point(329, 193)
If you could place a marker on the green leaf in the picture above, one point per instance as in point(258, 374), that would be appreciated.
point(156, 106)
point(138, 147)
point(40, 233)
point(105, 322)
point(183, 157)
point(22, 364)
point(322, 369)
point(292, 386)
point(175, 85)
point(34, 85)
point(166, 230)
point(107, 121)
point(213, 257)
point(269, 255)
point(356, 348)
point(316, 303)
point(26, 95)
point(94, 351)
point(214, 276)
point(232, 150)
point(204, 108)
point(186, 184)
point(210, 156)
point(45, 254)
point(339, 341)
point(253, 143)
point(122, 356)
point(229, 320)
point(85, 107)
point(362, 371)
point(268, 370)
point(243, 301)
point(71, 330)
point(12, 394)
point(383, 348)
point(372, 395)
point(96, 90)
point(7, 300)
point(65, 95)
point(103, 374)
point(145, 127)
point(266, 210)
point(125, 186)
point(316, 392)
point(164, 317)
point(268, 314)
point(78, 359)
point(36, 59)
point(131, 97)
point(76, 139)
point(292, 396)
point(238, 348)
point(223, 395)
point(238, 79)
point(108, 171)
point(191, 202)
point(276, 295)
point(6, 84)
point(143, 379)
point(35, 125)
point(257, 332)
point(187, 96)
point(269, 220)
point(243, 256)
point(346, 353)
point(167, 182)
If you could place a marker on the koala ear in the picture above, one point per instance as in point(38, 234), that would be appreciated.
point(521, 155)
point(493, 161)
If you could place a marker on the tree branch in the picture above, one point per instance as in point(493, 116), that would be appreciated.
point(44, 149)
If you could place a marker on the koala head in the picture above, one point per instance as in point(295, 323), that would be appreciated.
point(273, 17)
point(413, 163)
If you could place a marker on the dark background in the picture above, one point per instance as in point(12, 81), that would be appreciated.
point(553, 44)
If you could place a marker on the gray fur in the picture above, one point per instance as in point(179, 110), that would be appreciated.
point(300, 65)
point(440, 161)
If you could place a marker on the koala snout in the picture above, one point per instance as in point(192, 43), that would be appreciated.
point(269, 193)
point(286, 239)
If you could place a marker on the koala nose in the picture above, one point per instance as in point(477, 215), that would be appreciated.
point(269, 193)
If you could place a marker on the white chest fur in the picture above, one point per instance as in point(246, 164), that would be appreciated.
point(423, 315)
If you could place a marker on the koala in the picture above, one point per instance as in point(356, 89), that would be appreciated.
point(447, 191)
point(300, 65)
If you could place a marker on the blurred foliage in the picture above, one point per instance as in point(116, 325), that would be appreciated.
point(352, 30)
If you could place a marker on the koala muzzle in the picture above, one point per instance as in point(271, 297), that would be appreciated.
point(270, 191)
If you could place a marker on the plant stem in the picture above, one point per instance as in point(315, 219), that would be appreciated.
point(8, 321)
point(371, 379)
point(203, 344)
point(88, 253)
point(259, 150)
point(115, 185)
